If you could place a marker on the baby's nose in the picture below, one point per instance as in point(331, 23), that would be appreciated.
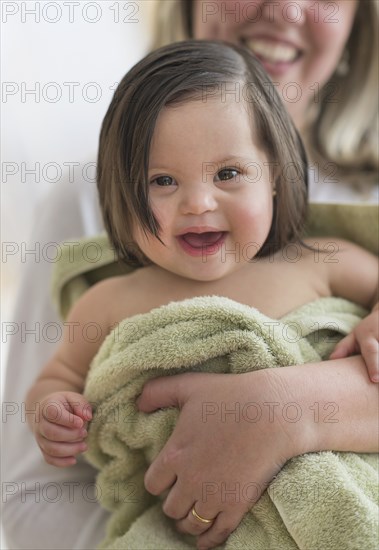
point(198, 198)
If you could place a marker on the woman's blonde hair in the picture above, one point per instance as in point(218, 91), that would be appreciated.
point(342, 126)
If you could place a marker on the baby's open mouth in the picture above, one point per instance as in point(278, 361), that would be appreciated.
point(199, 240)
point(202, 244)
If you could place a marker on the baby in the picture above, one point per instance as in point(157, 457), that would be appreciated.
point(202, 184)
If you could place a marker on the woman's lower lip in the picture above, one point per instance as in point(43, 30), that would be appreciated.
point(206, 250)
point(277, 69)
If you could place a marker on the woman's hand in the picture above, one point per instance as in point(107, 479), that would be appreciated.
point(364, 339)
point(230, 440)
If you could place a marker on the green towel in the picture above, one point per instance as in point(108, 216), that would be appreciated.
point(90, 260)
point(134, 513)
point(319, 501)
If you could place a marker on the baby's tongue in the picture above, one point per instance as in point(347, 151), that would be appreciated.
point(197, 240)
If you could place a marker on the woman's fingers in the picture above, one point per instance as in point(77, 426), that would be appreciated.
point(197, 520)
point(363, 340)
point(220, 530)
point(178, 503)
point(345, 347)
point(370, 353)
point(204, 463)
point(209, 534)
point(158, 393)
point(166, 391)
point(161, 475)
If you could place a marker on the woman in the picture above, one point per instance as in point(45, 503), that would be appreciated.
point(302, 50)
point(313, 53)
point(62, 511)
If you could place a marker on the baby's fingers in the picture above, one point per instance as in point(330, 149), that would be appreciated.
point(370, 353)
point(60, 454)
point(72, 414)
point(57, 433)
point(57, 413)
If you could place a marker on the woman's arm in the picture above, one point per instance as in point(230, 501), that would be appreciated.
point(340, 401)
point(249, 420)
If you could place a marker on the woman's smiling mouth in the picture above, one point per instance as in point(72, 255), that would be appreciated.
point(276, 56)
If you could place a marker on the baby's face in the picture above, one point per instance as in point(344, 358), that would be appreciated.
point(299, 43)
point(209, 189)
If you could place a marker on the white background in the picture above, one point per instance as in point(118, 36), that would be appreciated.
point(44, 45)
point(70, 54)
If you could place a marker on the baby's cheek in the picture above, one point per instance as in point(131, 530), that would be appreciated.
point(255, 225)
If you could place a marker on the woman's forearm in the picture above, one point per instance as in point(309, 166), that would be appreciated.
point(335, 405)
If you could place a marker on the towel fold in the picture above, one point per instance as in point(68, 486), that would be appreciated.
point(318, 501)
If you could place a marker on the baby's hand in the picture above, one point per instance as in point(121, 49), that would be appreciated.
point(363, 339)
point(60, 428)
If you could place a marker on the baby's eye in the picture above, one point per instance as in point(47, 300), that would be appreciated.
point(227, 174)
point(163, 181)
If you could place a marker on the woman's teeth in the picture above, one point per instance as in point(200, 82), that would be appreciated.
point(273, 52)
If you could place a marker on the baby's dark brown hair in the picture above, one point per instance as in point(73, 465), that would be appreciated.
point(193, 71)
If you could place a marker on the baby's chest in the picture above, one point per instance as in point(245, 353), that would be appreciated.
point(276, 289)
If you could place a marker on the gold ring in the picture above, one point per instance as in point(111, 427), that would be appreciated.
point(203, 520)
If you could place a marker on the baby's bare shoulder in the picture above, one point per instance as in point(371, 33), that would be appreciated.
point(104, 299)
point(352, 271)
point(112, 286)
point(122, 296)
point(341, 249)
